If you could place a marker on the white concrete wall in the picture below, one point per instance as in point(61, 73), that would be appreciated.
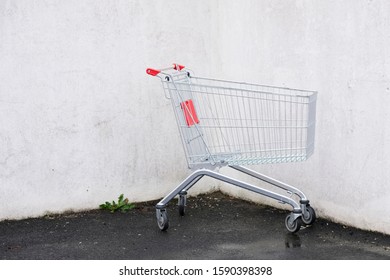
point(81, 122)
point(339, 48)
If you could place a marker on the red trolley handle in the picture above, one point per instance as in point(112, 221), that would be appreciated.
point(154, 72)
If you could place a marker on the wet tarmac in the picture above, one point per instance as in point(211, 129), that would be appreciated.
point(215, 227)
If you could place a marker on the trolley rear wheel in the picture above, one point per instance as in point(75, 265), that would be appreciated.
point(291, 224)
point(309, 216)
point(162, 220)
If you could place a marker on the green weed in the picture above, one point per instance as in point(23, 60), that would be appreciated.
point(123, 205)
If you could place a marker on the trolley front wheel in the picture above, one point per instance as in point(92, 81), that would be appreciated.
point(162, 220)
point(309, 215)
point(291, 224)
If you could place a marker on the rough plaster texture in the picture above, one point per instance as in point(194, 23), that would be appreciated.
point(340, 49)
point(81, 122)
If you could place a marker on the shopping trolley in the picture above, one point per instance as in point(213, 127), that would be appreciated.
point(224, 123)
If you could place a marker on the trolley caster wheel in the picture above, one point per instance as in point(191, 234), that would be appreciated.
point(162, 219)
point(182, 204)
point(309, 216)
point(291, 224)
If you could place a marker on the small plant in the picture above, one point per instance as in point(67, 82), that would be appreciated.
point(123, 205)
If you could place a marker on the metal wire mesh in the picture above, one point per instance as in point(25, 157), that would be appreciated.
point(239, 123)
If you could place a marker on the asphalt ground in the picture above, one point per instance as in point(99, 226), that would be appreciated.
point(215, 227)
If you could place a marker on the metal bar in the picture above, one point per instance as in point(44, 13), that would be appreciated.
point(193, 182)
point(205, 172)
point(186, 184)
point(253, 85)
point(270, 180)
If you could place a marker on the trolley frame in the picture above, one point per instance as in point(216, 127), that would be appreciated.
point(289, 119)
